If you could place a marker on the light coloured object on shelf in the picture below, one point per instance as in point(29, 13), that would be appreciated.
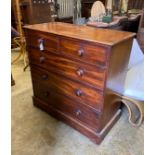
point(97, 9)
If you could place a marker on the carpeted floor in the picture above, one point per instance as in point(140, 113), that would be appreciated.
point(36, 133)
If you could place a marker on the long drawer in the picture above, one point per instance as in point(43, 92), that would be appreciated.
point(93, 54)
point(42, 41)
point(81, 72)
point(67, 106)
point(69, 88)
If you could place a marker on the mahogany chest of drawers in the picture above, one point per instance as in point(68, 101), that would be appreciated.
point(75, 70)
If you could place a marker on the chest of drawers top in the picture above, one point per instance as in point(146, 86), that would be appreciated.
point(85, 33)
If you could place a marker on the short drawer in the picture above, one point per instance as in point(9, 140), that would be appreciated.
point(42, 41)
point(89, 53)
point(67, 106)
point(80, 93)
point(81, 72)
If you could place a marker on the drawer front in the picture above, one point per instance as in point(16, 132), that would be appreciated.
point(42, 41)
point(67, 106)
point(78, 71)
point(93, 54)
point(66, 87)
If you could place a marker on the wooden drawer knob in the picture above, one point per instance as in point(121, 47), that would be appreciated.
point(41, 44)
point(42, 59)
point(80, 52)
point(78, 112)
point(80, 72)
point(44, 76)
point(78, 92)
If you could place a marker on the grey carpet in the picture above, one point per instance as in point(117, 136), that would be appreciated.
point(36, 133)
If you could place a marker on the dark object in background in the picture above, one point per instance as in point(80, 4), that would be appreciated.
point(132, 24)
point(36, 11)
point(32, 12)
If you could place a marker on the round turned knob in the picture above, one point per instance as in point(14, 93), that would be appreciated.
point(46, 94)
point(80, 72)
point(42, 59)
point(44, 76)
point(78, 92)
point(78, 112)
point(80, 52)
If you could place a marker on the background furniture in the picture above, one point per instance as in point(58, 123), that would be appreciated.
point(18, 36)
point(118, 23)
point(73, 69)
point(140, 33)
point(42, 11)
point(134, 6)
point(116, 7)
point(121, 18)
point(134, 12)
point(86, 7)
point(35, 11)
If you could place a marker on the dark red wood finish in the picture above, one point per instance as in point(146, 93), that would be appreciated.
point(64, 86)
point(86, 52)
point(87, 74)
point(75, 70)
point(65, 104)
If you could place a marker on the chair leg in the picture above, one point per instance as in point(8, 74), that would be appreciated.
point(22, 46)
point(26, 67)
point(12, 80)
point(25, 59)
point(24, 54)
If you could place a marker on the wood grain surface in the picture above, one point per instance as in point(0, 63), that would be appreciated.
point(85, 33)
point(75, 71)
